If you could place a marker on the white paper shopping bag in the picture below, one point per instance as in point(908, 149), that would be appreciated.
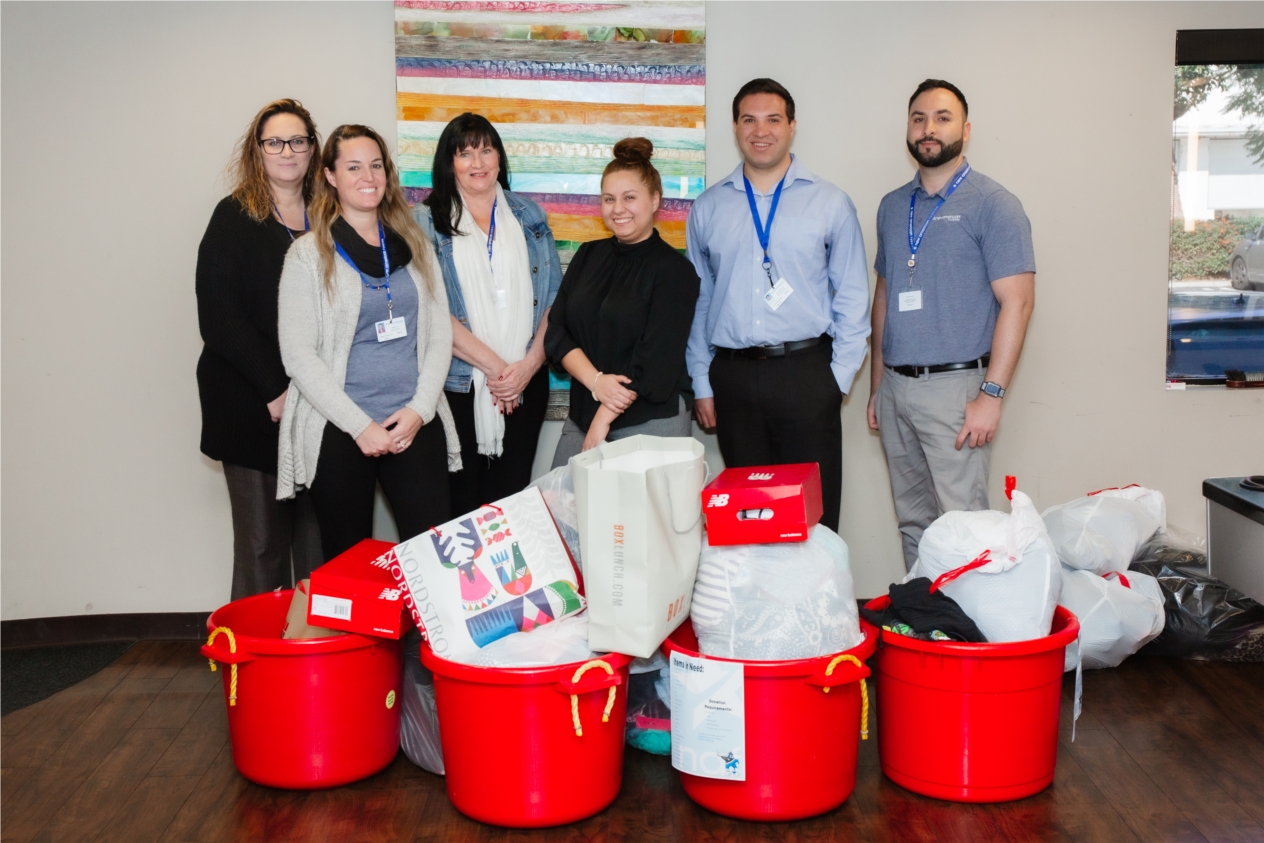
point(640, 530)
point(499, 570)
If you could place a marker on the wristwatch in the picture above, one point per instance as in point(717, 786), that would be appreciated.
point(993, 389)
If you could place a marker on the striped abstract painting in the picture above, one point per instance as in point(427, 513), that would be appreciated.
point(562, 82)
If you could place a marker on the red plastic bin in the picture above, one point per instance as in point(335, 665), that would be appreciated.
point(801, 743)
point(971, 722)
point(309, 713)
point(511, 753)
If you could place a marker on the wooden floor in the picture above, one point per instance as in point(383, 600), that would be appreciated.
point(1166, 750)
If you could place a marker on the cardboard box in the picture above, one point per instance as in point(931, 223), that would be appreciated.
point(352, 594)
point(296, 625)
point(763, 504)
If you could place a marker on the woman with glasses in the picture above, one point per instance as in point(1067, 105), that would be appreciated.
point(622, 318)
point(241, 381)
point(501, 272)
point(366, 338)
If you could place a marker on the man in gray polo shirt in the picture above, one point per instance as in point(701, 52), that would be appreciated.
point(956, 286)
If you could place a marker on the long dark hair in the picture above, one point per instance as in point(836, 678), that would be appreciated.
point(465, 131)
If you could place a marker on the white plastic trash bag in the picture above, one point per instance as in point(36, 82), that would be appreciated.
point(1012, 594)
point(640, 528)
point(793, 600)
point(560, 642)
point(1118, 614)
point(559, 496)
point(1102, 532)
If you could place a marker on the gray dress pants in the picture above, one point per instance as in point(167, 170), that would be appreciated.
point(572, 440)
point(269, 535)
point(918, 422)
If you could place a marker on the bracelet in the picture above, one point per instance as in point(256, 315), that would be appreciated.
point(594, 387)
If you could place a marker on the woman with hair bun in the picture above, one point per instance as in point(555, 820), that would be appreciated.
point(366, 338)
point(241, 380)
point(621, 319)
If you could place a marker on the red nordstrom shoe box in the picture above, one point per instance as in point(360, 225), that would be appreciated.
point(763, 504)
point(352, 594)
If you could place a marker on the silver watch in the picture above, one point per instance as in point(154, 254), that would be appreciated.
point(993, 389)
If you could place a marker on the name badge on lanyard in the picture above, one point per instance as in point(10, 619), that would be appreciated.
point(390, 328)
point(781, 290)
point(915, 241)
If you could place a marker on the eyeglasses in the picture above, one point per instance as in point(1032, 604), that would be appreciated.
point(273, 146)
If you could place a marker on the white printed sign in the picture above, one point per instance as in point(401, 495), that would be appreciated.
point(708, 703)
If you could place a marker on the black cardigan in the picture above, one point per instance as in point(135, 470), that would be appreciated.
point(240, 371)
point(630, 309)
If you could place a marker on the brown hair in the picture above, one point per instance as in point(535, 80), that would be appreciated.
point(633, 155)
point(393, 210)
point(251, 187)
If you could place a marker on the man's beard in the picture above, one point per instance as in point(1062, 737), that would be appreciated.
point(943, 156)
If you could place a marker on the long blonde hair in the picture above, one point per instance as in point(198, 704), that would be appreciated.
point(393, 210)
point(249, 179)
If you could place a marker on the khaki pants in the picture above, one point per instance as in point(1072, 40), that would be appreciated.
point(918, 422)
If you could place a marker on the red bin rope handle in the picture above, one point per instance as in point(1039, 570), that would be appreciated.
point(605, 715)
point(232, 648)
point(864, 692)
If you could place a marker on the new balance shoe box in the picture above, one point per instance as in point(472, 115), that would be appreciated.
point(763, 504)
point(355, 592)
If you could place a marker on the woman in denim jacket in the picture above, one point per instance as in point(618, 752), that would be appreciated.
point(501, 270)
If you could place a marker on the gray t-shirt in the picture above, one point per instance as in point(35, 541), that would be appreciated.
point(382, 376)
point(980, 234)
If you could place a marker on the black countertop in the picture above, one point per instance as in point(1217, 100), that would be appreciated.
point(1228, 492)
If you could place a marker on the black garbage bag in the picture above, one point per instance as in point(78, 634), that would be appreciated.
point(1161, 548)
point(1205, 618)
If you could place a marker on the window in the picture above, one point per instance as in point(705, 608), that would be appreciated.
point(1216, 246)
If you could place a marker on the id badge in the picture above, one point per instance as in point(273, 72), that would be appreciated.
point(502, 299)
point(391, 329)
point(911, 300)
point(777, 296)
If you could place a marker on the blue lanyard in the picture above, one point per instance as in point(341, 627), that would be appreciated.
point(916, 242)
point(386, 263)
point(760, 230)
point(491, 231)
point(306, 225)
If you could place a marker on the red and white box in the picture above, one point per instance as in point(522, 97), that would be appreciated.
point(763, 504)
point(351, 594)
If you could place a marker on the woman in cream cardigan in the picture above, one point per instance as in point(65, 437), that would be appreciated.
point(366, 340)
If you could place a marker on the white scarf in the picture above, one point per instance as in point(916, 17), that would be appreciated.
point(498, 301)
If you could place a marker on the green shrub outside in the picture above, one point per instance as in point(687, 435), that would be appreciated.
point(1204, 252)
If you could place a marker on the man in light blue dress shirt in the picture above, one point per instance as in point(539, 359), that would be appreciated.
point(782, 318)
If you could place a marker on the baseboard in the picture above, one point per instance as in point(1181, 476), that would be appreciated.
point(89, 629)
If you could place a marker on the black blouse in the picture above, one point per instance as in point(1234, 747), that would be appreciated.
point(630, 309)
point(240, 371)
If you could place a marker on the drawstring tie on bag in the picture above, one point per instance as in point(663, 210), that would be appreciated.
point(947, 577)
point(605, 715)
point(232, 648)
point(864, 691)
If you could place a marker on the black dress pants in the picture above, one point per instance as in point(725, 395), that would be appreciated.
point(782, 410)
point(415, 484)
point(484, 479)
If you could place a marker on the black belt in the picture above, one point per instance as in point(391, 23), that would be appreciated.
point(915, 371)
point(763, 352)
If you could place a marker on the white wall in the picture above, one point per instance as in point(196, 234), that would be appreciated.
point(118, 118)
